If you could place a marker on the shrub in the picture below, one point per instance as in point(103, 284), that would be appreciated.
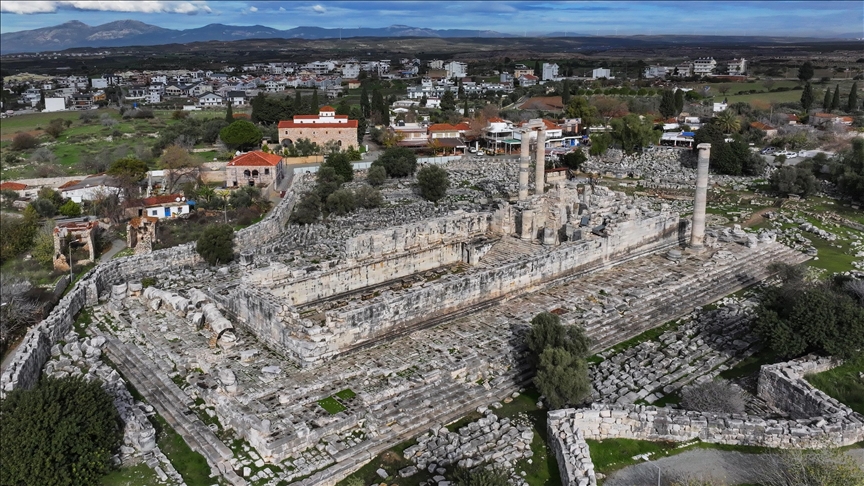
point(70, 209)
point(148, 282)
point(433, 182)
point(241, 135)
point(43, 244)
point(341, 202)
point(179, 115)
point(822, 467)
point(23, 141)
point(368, 197)
point(714, 396)
point(63, 431)
point(341, 163)
point(376, 175)
point(55, 127)
point(558, 353)
point(397, 161)
point(793, 180)
point(44, 207)
point(216, 244)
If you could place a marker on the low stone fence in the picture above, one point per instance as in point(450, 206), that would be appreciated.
point(823, 422)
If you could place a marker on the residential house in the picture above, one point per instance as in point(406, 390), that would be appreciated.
point(211, 99)
point(456, 69)
point(704, 66)
point(199, 89)
point(601, 73)
point(82, 101)
point(550, 71)
point(499, 134)
point(552, 132)
point(21, 189)
point(322, 128)
point(737, 67)
point(255, 169)
point(446, 130)
point(770, 132)
point(167, 206)
point(684, 70)
point(656, 71)
point(410, 134)
point(174, 90)
point(135, 94)
point(99, 83)
point(350, 70)
point(91, 188)
point(522, 69)
point(527, 80)
point(236, 98)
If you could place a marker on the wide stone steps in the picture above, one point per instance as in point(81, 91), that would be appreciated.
point(508, 250)
point(693, 291)
point(172, 404)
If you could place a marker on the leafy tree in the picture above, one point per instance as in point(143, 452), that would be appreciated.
point(599, 143)
point(178, 163)
point(835, 100)
point(397, 161)
point(341, 163)
point(328, 181)
point(433, 182)
point(793, 180)
point(341, 201)
point(562, 378)
point(211, 128)
point(368, 197)
point(424, 100)
point(448, 101)
point(216, 244)
point(308, 210)
point(16, 234)
point(578, 107)
point(129, 171)
point(807, 97)
point(380, 111)
point(375, 176)
point(826, 102)
point(728, 121)
point(271, 109)
point(23, 141)
point(55, 128)
point(632, 133)
point(573, 160)
point(805, 72)
point(43, 244)
point(667, 104)
point(62, 432)
point(798, 318)
point(241, 135)
point(44, 207)
point(679, 101)
point(850, 178)
point(70, 209)
point(852, 101)
point(229, 113)
point(548, 332)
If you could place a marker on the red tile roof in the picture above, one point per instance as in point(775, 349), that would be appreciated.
point(153, 201)
point(462, 126)
point(315, 117)
point(288, 124)
point(68, 184)
point(761, 126)
point(326, 108)
point(12, 186)
point(256, 159)
point(442, 127)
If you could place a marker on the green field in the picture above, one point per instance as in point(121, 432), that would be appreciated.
point(26, 123)
point(775, 97)
point(843, 383)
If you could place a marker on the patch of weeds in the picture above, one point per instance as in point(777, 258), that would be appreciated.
point(346, 394)
point(843, 383)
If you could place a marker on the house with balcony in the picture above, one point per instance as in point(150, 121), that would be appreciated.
point(210, 100)
point(704, 66)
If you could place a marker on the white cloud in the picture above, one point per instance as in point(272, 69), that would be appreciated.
point(143, 6)
point(319, 9)
point(253, 9)
point(281, 9)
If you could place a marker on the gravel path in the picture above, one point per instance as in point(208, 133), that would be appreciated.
point(727, 467)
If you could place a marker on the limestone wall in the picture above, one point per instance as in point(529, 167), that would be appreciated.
point(822, 421)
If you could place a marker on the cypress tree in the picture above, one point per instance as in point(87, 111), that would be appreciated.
point(667, 104)
point(229, 115)
point(298, 102)
point(826, 102)
point(679, 101)
point(835, 102)
point(852, 102)
point(565, 92)
point(365, 106)
point(465, 110)
point(315, 105)
point(807, 97)
point(537, 69)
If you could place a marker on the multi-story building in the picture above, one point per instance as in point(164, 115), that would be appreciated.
point(520, 70)
point(684, 70)
point(652, 72)
point(550, 71)
point(350, 70)
point(322, 128)
point(704, 66)
point(737, 67)
point(600, 73)
point(456, 69)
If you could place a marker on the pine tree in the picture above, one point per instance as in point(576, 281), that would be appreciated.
point(229, 115)
point(826, 102)
point(365, 106)
point(852, 102)
point(315, 105)
point(807, 97)
point(835, 101)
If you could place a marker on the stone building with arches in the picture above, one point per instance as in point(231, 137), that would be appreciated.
point(254, 169)
point(321, 129)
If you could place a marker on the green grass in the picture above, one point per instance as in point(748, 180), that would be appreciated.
point(331, 405)
point(26, 123)
point(191, 465)
point(750, 365)
point(776, 97)
point(648, 335)
point(843, 383)
point(831, 258)
point(543, 469)
point(391, 461)
point(137, 475)
point(346, 394)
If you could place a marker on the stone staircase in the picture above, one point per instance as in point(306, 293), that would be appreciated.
point(668, 302)
point(171, 403)
point(508, 250)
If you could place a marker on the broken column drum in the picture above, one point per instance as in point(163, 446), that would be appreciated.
point(697, 235)
point(540, 160)
point(524, 164)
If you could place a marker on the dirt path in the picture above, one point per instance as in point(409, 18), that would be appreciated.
point(758, 217)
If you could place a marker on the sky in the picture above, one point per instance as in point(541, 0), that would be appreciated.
point(795, 18)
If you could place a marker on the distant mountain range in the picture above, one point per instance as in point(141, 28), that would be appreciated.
point(133, 33)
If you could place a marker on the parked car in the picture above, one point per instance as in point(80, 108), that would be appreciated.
point(768, 150)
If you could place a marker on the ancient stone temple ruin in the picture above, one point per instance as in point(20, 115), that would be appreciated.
point(82, 233)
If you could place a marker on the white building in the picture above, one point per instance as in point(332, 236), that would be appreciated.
point(55, 104)
point(550, 71)
point(167, 206)
point(350, 70)
point(600, 73)
point(737, 67)
point(704, 66)
point(436, 64)
point(684, 70)
point(456, 69)
point(652, 72)
point(91, 188)
point(98, 83)
point(210, 99)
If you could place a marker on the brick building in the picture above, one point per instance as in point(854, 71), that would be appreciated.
point(320, 129)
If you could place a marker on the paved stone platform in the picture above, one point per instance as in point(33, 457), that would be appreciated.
point(420, 380)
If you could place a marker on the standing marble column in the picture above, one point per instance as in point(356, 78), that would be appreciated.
point(524, 164)
point(540, 160)
point(697, 234)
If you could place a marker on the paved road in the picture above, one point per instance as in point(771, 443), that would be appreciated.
point(116, 247)
point(727, 467)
